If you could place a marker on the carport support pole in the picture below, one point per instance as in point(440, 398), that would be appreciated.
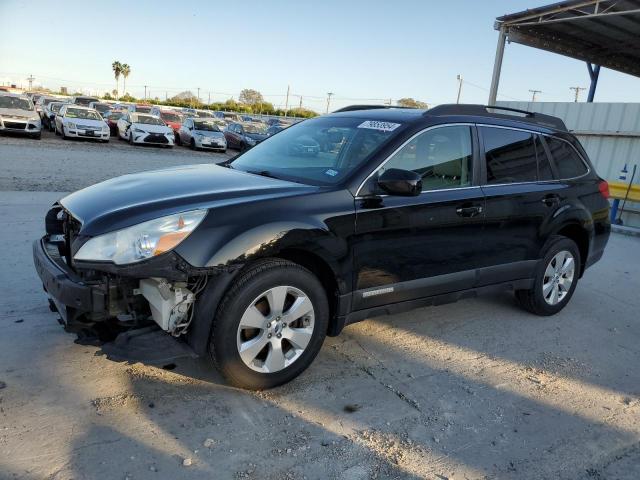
point(497, 67)
point(594, 73)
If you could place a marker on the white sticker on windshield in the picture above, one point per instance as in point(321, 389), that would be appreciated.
point(331, 172)
point(377, 125)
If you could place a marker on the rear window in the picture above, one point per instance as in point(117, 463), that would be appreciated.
point(567, 160)
point(510, 156)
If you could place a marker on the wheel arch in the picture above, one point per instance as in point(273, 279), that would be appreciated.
point(580, 235)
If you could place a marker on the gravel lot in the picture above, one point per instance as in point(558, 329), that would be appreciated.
point(474, 390)
point(55, 165)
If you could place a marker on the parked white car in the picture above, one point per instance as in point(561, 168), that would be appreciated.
point(145, 128)
point(18, 115)
point(81, 122)
point(202, 133)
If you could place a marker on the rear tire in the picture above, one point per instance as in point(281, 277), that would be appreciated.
point(290, 308)
point(62, 134)
point(556, 278)
point(192, 144)
point(131, 142)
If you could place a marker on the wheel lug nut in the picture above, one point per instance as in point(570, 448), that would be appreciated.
point(279, 335)
point(269, 336)
point(269, 325)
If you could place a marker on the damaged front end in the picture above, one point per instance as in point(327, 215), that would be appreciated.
point(160, 290)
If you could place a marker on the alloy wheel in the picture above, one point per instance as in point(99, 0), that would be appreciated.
point(558, 277)
point(275, 329)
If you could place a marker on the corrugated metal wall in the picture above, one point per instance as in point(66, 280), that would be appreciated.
point(609, 132)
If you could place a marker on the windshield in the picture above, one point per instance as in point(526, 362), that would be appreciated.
point(322, 151)
point(170, 117)
point(146, 120)
point(15, 102)
point(205, 114)
point(85, 101)
point(102, 107)
point(206, 125)
point(143, 108)
point(82, 113)
point(115, 115)
point(55, 107)
point(252, 128)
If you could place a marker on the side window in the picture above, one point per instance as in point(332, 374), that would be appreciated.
point(510, 155)
point(568, 162)
point(442, 156)
point(544, 166)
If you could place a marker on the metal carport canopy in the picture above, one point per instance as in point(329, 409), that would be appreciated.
point(600, 32)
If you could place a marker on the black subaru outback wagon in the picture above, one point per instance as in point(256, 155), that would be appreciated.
point(363, 212)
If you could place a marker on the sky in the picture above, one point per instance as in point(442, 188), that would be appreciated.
point(363, 51)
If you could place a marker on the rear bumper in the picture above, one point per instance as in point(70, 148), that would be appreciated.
point(71, 296)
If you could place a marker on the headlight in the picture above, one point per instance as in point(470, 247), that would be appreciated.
point(141, 241)
point(105, 128)
point(138, 130)
point(71, 125)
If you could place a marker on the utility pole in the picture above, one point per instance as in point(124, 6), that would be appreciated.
point(198, 94)
point(300, 102)
point(533, 94)
point(389, 102)
point(209, 101)
point(166, 96)
point(459, 78)
point(329, 100)
point(31, 79)
point(286, 103)
point(145, 92)
point(577, 90)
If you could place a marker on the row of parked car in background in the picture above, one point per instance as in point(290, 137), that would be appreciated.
point(137, 123)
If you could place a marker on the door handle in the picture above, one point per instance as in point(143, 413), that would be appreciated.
point(551, 200)
point(471, 211)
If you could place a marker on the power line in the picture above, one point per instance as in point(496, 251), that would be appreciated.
point(577, 90)
point(533, 94)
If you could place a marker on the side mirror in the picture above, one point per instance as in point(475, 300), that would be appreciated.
point(405, 183)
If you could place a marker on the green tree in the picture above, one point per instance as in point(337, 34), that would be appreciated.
point(411, 103)
point(125, 70)
point(116, 66)
point(250, 97)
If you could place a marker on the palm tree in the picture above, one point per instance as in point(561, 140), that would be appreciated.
point(125, 70)
point(117, 70)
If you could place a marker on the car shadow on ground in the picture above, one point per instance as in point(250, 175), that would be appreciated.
point(373, 404)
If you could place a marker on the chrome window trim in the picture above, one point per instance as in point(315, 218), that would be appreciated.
point(432, 127)
point(584, 162)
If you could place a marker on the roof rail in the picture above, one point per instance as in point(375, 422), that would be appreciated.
point(351, 108)
point(496, 111)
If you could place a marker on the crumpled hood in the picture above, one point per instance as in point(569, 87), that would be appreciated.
point(130, 199)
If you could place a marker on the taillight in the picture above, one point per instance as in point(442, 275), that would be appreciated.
point(603, 186)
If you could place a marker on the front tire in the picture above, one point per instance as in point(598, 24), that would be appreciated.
point(555, 279)
point(270, 325)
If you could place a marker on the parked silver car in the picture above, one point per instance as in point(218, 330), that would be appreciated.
point(17, 114)
point(202, 133)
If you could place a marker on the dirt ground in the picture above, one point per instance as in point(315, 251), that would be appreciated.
point(475, 390)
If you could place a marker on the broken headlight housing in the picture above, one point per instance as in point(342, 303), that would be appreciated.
point(142, 241)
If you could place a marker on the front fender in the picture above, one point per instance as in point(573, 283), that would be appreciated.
point(232, 236)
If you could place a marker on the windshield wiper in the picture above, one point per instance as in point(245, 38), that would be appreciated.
point(264, 173)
